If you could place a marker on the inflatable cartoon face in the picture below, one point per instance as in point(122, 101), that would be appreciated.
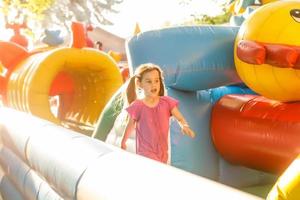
point(267, 51)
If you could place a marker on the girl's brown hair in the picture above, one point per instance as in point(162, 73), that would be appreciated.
point(138, 76)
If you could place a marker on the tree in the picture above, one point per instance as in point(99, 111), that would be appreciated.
point(41, 14)
point(218, 19)
point(197, 19)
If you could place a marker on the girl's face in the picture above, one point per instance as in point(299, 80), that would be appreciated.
point(150, 83)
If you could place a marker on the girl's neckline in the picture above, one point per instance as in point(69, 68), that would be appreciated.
point(154, 106)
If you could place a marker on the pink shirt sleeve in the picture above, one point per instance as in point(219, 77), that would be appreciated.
point(171, 102)
point(133, 110)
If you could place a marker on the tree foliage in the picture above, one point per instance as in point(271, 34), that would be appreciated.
point(197, 19)
point(34, 6)
point(218, 19)
point(41, 14)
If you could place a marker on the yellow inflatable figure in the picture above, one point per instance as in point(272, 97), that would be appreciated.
point(267, 51)
point(288, 185)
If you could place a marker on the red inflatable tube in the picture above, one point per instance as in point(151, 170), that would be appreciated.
point(256, 132)
point(11, 55)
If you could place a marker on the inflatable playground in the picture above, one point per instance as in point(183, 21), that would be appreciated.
point(62, 116)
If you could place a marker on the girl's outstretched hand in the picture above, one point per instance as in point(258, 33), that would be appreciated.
point(123, 145)
point(188, 131)
point(185, 128)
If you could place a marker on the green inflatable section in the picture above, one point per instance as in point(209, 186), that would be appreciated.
point(261, 190)
point(109, 114)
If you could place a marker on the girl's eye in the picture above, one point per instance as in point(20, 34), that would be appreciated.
point(295, 13)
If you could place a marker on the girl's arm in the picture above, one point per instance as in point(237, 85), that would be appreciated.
point(128, 130)
point(185, 128)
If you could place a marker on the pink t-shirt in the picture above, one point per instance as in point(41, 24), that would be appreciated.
point(152, 127)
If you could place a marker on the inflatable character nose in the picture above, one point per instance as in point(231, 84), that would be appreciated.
point(278, 55)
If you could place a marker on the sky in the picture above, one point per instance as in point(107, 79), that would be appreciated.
point(149, 14)
point(152, 14)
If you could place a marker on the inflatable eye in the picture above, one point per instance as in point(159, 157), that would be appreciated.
point(295, 13)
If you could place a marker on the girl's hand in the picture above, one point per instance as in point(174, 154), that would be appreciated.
point(188, 131)
point(185, 128)
point(123, 145)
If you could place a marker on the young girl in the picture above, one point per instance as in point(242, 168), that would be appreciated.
point(150, 115)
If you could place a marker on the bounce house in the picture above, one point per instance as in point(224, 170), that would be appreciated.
point(243, 139)
point(237, 88)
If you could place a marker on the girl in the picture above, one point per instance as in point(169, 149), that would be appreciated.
point(150, 115)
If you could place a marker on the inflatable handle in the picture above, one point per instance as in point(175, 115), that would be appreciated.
point(79, 35)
